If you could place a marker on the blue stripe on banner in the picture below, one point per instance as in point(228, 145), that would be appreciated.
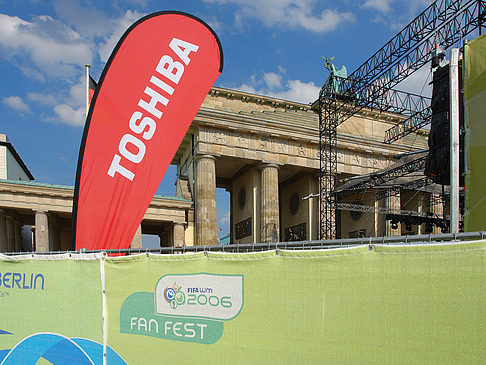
point(58, 350)
point(3, 353)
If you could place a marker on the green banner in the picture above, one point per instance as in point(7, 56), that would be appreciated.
point(363, 305)
point(51, 309)
point(474, 71)
point(400, 305)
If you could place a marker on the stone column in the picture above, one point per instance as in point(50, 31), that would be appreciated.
point(41, 231)
point(3, 232)
point(137, 239)
point(164, 239)
point(10, 234)
point(231, 232)
point(18, 236)
point(393, 202)
point(377, 217)
point(269, 215)
point(179, 235)
point(54, 233)
point(421, 209)
point(437, 209)
point(206, 219)
point(310, 218)
point(65, 238)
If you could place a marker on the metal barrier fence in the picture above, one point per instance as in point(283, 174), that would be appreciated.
point(293, 245)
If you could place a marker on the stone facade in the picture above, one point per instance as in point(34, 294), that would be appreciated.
point(244, 132)
point(264, 152)
point(47, 208)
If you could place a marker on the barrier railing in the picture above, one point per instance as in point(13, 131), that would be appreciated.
point(418, 239)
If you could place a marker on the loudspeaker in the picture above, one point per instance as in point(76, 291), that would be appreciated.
point(437, 166)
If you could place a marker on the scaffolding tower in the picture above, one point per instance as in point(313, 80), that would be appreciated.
point(444, 23)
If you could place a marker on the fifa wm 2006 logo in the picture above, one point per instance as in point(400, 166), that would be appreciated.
point(174, 296)
point(200, 295)
point(197, 296)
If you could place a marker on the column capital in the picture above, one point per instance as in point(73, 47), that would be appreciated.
point(265, 165)
point(204, 156)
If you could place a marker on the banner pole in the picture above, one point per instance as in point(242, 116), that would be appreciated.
point(87, 88)
point(454, 140)
point(104, 311)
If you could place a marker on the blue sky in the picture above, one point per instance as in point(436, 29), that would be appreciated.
point(271, 47)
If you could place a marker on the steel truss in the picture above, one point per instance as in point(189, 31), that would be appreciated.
point(410, 125)
point(328, 157)
point(381, 177)
point(418, 220)
point(395, 190)
point(396, 216)
point(415, 108)
point(369, 209)
point(444, 23)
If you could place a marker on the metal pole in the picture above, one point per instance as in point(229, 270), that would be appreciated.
point(454, 140)
point(480, 22)
point(87, 88)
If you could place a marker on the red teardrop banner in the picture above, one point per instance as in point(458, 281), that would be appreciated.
point(149, 92)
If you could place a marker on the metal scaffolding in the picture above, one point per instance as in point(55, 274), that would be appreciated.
point(382, 177)
point(444, 23)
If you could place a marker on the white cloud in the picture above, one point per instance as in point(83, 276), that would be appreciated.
point(272, 80)
point(67, 114)
point(418, 82)
point(17, 103)
point(282, 69)
point(383, 6)
point(87, 21)
point(44, 47)
point(288, 13)
point(300, 91)
point(225, 219)
point(51, 51)
point(214, 23)
point(42, 98)
point(294, 90)
point(119, 27)
point(67, 107)
point(396, 14)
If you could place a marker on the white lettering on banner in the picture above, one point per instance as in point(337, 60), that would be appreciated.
point(141, 324)
point(140, 127)
point(132, 148)
point(162, 85)
point(116, 167)
point(151, 106)
point(183, 49)
point(134, 141)
point(171, 69)
point(188, 331)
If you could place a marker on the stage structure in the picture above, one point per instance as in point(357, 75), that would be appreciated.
point(443, 24)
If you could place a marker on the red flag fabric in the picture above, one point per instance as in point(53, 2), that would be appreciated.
point(91, 89)
point(148, 94)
